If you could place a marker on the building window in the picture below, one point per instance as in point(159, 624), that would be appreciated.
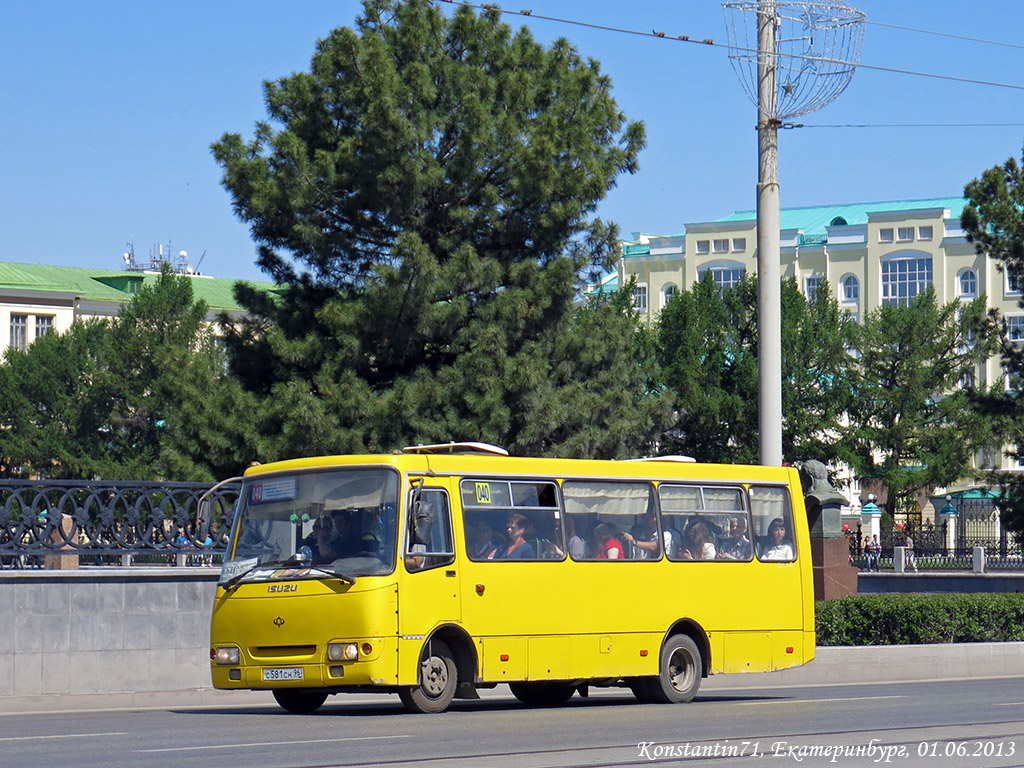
point(703, 246)
point(851, 289)
point(968, 381)
point(885, 235)
point(904, 278)
point(669, 291)
point(905, 234)
point(44, 325)
point(968, 284)
point(739, 243)
point(640, 297)
point(725, 275)
point(1013, 283)
point(924, 233)
point(721, 246)
point(811, 285)
point(19, 332)
point(989, 457)
point(1015, 328)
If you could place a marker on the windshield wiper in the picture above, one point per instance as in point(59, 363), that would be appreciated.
point(333, 573)
point(289, 563)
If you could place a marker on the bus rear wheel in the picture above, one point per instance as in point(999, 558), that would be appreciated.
point(299, 702)
point(544, 693)
point(437, 681)
point(679, 672)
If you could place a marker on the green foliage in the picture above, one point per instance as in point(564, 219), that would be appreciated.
point(425, 192)
point(913, 619)
point(707, 343)
point(994, 221)
point(139, 396)
point(912, 423)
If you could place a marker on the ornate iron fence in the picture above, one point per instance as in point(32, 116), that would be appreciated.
point(104, 523)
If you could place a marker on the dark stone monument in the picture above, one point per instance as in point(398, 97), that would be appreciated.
point(830, 550)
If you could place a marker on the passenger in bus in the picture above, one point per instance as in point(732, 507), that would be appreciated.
point(344, 542)
point(577, 547)
point(608, 545)
point(700, 544)
point(485, 545)
point(519, 548)
point(777, 544)
point(644, 538)
point(738, 545)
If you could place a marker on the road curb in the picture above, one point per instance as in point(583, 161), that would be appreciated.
point(835, 665)
point(831, 666)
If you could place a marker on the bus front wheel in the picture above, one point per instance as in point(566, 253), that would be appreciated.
point(299, 702)
point(437, 681)
point(679, 672)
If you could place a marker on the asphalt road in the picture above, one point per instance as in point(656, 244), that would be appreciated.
point(956, 724)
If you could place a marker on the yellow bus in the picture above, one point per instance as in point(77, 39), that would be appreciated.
point(440, 570)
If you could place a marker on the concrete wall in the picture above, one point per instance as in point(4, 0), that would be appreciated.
point(105, 630)
point(949, 581)
point(120, 637)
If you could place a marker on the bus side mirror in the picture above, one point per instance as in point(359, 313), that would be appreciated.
point(422, 522)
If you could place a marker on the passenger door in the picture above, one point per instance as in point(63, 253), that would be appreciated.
point(429, 590)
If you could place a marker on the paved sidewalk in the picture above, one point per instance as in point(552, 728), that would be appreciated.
point(832, 666)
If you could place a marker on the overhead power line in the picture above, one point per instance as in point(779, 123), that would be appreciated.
point(711, 42)
point(905, 125)
point(944, 34)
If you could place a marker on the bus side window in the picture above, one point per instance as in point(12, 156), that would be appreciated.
point(490, 506)
point(598, 514)
point(773, 523)
point(439, 551)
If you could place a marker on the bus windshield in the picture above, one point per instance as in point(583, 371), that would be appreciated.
point(313, 525)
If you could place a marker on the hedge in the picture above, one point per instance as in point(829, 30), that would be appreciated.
point(910, 619)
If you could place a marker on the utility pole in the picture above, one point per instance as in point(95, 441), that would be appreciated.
point(804, 56)
point(769, 286)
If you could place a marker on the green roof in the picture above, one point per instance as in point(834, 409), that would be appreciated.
point(814, 219)
point(112, 285)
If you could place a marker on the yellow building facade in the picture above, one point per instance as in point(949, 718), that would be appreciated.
point(870, 254)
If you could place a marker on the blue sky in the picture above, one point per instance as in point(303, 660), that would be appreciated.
point(109, 109)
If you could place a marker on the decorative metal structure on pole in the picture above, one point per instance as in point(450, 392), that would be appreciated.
point(792, 58)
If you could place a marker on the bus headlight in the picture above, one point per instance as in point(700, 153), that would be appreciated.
point(225, 656)
point(342, 651)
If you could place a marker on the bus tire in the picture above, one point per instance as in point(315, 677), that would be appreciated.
point(544, 693)
point(438, 679)
point(300, 702)
point(679, 671)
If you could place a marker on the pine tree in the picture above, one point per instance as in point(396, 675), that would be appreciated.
point(424, 193)
point(994, 221)
point(912, 421)
point(708, 347)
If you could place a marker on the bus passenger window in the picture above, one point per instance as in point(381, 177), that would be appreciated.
point(704, 514)
point(601, 517)
point(773, 524)
point(511, 520)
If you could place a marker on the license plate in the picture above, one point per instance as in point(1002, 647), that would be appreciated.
point(282, 673)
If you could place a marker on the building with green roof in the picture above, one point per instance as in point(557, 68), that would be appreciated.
point(36, 299)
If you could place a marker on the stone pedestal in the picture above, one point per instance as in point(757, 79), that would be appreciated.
point(59, 561)
point(834, 577)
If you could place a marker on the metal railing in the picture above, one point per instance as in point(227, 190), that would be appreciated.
point(105, 523)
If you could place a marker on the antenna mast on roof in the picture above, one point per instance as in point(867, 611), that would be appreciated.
point(160, 255)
